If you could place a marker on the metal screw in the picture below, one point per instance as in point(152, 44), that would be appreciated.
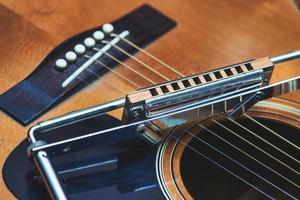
point(140, 129)
point(67, 149)
point(136, 114)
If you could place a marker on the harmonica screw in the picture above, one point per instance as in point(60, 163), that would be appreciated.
point(140, 129)
point(135, 114)
point(67, 149)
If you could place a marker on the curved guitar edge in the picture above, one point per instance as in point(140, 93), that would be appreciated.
point(35, 95)
point(126, 168)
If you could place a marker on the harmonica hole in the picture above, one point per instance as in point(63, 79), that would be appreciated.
point(228, 72)
point(218, 75)
point(164, 89)
point(207, 77)
point(249, 66)
point(239, 69)
point(153, 92)
point(186, 83)
point(197, 80)
point(175, 86)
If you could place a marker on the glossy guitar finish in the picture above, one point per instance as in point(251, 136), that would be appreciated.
point(43, 88)
point(122, 166)
point(201, 39)
point(191, 172)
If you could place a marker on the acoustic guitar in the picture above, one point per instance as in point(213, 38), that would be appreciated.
point(126, 100)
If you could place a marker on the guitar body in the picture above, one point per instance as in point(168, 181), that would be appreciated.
point(120, 167)
point(208, 34)
point(187, 169)
point(123, 166)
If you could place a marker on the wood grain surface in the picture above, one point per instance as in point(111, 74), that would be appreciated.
point(209, 34)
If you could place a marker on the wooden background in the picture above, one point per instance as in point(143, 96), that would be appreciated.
point(209, 33)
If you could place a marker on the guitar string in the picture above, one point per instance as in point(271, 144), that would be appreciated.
point(125, 65)
point(248, 155)
point(114, 71)
point(126, 53)
point(133, 57)
point(108, 82)
point(182, 75)
point(255, 146)
point(273, 132)
point(262, 139)
point(238, 163)
point(237, 176)
point(98, 76)
point(88, 83)
point(132, 44)
point(147, 54)
point(120, 62)
point(136, 59)
point(222, 167)
point(143, 51)
point(80, 79)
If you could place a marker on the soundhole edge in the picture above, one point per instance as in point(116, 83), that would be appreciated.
point(205, 180)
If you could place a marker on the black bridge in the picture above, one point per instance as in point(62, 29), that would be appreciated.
point(42, 89)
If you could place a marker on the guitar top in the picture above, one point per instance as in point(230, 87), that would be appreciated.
point(58, 57)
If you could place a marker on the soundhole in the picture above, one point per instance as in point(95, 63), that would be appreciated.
point(205, 180)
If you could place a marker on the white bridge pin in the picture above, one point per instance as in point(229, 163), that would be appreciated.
point(79, 49)
point(93, 58)
point(89, 42)
point(71, 56)
point(98, 35)
point(61, 64)
point(107, 28)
